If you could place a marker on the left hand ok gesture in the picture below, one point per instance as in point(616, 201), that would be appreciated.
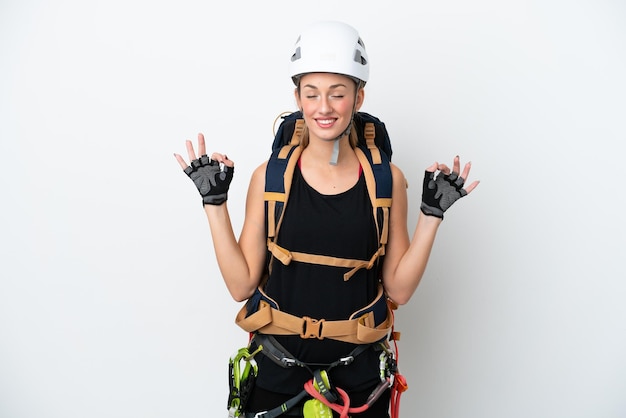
point(442, 189)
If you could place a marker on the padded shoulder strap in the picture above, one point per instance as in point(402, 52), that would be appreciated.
point(278, 176)
point(379, 186)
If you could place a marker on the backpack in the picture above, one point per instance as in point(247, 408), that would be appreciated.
point(373, 324)
point(374, 152)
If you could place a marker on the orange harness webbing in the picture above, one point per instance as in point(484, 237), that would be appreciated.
point(355, 330)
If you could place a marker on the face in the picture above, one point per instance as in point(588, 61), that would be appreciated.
point(327, 101)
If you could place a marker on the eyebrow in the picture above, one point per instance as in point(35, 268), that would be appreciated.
point(334, 86)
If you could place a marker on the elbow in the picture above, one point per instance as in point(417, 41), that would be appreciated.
point(240, 294)
point(400, 299)
point(400, 296)
point(401, 292)
point(238, 298)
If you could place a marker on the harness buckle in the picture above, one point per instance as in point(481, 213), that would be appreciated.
point(288, 362)
point(312, 328)
point(344, 361)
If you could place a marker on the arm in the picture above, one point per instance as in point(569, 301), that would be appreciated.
point(406, 261)
point(241, 262)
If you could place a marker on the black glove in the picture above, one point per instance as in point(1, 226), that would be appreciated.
point(439, 193)
point(211, 181)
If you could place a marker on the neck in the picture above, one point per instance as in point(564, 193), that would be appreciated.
point(322, 150)
point(327, 178)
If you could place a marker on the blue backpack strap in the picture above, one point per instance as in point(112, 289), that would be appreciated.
point(379, 181)
point(278, 175)
point(375, 154)
point(279, 170)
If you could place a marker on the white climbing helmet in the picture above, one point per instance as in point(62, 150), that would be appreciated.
point(329, 47)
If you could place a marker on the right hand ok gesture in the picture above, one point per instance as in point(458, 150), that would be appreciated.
point(212, 176)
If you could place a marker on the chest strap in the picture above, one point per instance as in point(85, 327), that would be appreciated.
point(285, 256)
point(363, 327)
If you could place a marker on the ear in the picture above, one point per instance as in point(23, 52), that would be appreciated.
point(360, 97)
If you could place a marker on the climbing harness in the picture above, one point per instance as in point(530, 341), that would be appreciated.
point(323, 396)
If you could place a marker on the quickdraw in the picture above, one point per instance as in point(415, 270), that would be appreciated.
point(392, 380)
point(242, 370)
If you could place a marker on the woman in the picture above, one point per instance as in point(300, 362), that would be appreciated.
point(329, 213)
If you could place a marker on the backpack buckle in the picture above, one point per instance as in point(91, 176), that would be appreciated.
point(312, 328)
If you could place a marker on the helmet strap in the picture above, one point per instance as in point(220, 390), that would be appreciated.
point(335, 154)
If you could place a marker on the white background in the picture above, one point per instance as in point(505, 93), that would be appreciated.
point(111, 304)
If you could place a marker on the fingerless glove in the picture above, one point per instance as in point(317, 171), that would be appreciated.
point(211, 180)
point(440, 192)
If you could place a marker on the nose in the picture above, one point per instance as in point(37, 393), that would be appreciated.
point(325, 106)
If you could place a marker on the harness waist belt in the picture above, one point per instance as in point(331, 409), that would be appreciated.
point(368, 325)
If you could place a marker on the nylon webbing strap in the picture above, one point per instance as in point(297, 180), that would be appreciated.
point(273, 350)
point(271, 219)
point(298, 131)
point(359, 329)
point(369, 132)
point(288, 176)
point(384, 236)
point(267, 320)
point(296, 138)
point(285, 256)
point(279, 410)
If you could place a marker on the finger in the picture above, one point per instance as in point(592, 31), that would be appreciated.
point(181, 161)
point(201, 144)
point(216, 156)
point(228, 162)
point(466, 170)
point(444, 169)
point(222, 159)
point(433, 167)
point(190, 151)
point(472, 186)
point(456, 165)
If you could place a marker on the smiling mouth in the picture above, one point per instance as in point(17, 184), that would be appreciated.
point(325, 122)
